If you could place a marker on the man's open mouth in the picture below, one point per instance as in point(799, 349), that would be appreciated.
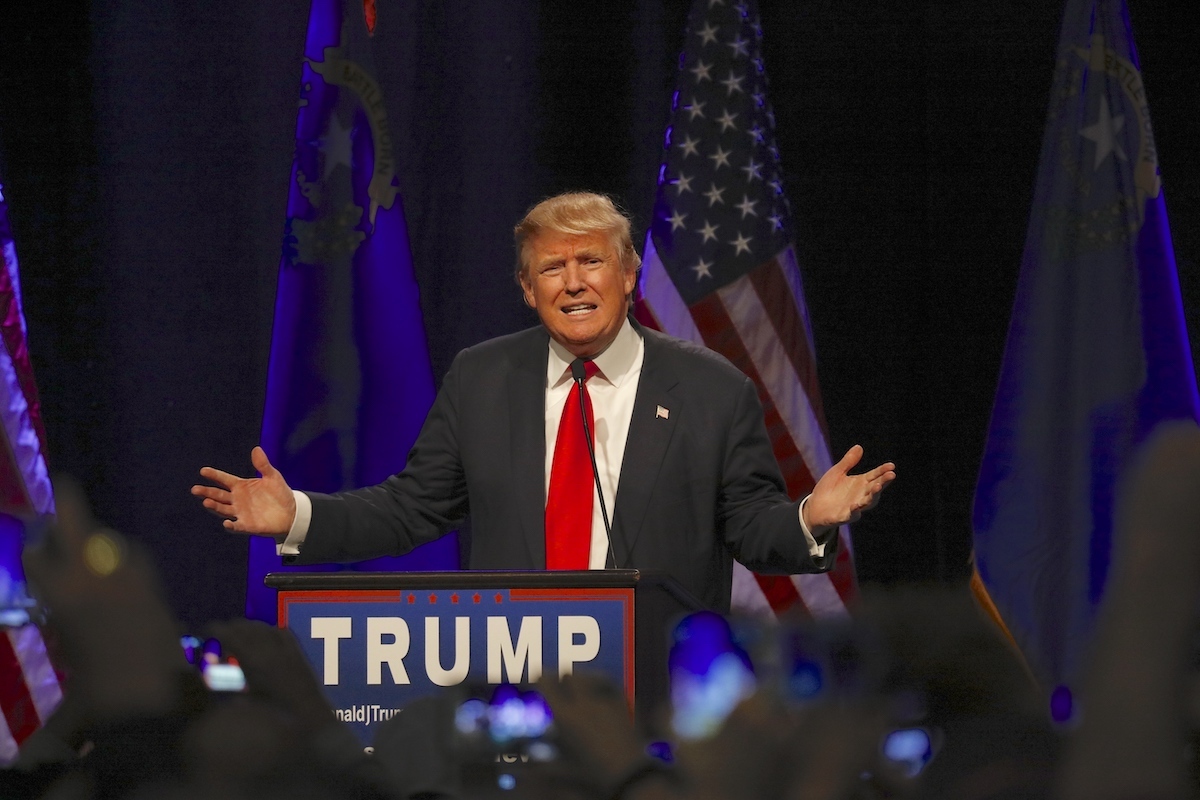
point(577, 309)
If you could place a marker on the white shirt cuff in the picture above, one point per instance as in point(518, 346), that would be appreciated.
point(815, 550)
point(290, 546)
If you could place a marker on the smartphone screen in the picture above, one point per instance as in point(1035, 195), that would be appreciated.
point(710, 675)
point(501, 732)
point(909, 750)
point(503, 719)
point(220, 674)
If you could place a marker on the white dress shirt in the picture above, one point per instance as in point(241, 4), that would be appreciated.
point(612, 390)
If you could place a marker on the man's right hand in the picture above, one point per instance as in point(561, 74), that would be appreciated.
point(262, 506)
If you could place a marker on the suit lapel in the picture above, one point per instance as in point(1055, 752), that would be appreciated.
point(527, 426)
point(656, 411)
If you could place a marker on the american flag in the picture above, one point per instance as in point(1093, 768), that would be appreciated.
point(720, 268)
point(29, 688)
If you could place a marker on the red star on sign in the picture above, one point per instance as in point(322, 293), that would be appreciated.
point(499, 597)
point(370, 12)
point(454, 598)
point(475, 597)
point(433, 599)
point(412, 599)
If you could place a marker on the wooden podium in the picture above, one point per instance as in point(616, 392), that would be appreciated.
point(378, 640)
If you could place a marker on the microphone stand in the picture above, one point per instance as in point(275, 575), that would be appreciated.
point(579, 375)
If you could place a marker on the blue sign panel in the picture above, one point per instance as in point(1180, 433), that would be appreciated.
point(375, 651)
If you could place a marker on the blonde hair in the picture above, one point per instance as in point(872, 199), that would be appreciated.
point(577, 214)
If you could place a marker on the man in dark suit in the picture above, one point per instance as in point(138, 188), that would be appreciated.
point(682, 455)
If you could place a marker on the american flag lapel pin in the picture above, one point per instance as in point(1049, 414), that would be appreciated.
point(662, 413)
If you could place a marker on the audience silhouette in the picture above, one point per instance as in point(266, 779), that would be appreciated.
point(918, 696)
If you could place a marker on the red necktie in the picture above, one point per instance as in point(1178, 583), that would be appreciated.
point(569, 501)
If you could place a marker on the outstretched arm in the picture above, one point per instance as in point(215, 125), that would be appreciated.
point(262, 506)
point(840, 497)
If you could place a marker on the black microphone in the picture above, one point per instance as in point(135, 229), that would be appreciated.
point(580, 375)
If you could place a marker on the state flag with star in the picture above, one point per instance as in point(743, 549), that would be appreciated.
point(349, 382)
point(720, 269)
point(1097, 356)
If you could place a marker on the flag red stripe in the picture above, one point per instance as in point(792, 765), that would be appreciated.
point(842, 576)
point(644, 314)
point(15, 699)
point(720, 335)
point(14, 495)
point(14, 342)
point(776, 297)
point(780, 592)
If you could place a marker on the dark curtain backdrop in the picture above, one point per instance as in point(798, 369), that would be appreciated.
point(146, 148)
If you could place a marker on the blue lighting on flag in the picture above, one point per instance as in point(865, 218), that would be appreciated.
point(1097, 353)
point(349, 382)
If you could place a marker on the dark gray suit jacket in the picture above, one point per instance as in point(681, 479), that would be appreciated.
point(698, 488)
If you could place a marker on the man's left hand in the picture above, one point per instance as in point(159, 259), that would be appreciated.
point(840, 497)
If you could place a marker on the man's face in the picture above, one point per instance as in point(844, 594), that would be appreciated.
point(578, 288)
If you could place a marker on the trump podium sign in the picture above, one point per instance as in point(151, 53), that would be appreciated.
point(377, 641)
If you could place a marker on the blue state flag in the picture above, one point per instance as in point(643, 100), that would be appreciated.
point(1097, 353)
point(350, 381)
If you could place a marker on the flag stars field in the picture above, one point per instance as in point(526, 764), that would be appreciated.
point(728, 123)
